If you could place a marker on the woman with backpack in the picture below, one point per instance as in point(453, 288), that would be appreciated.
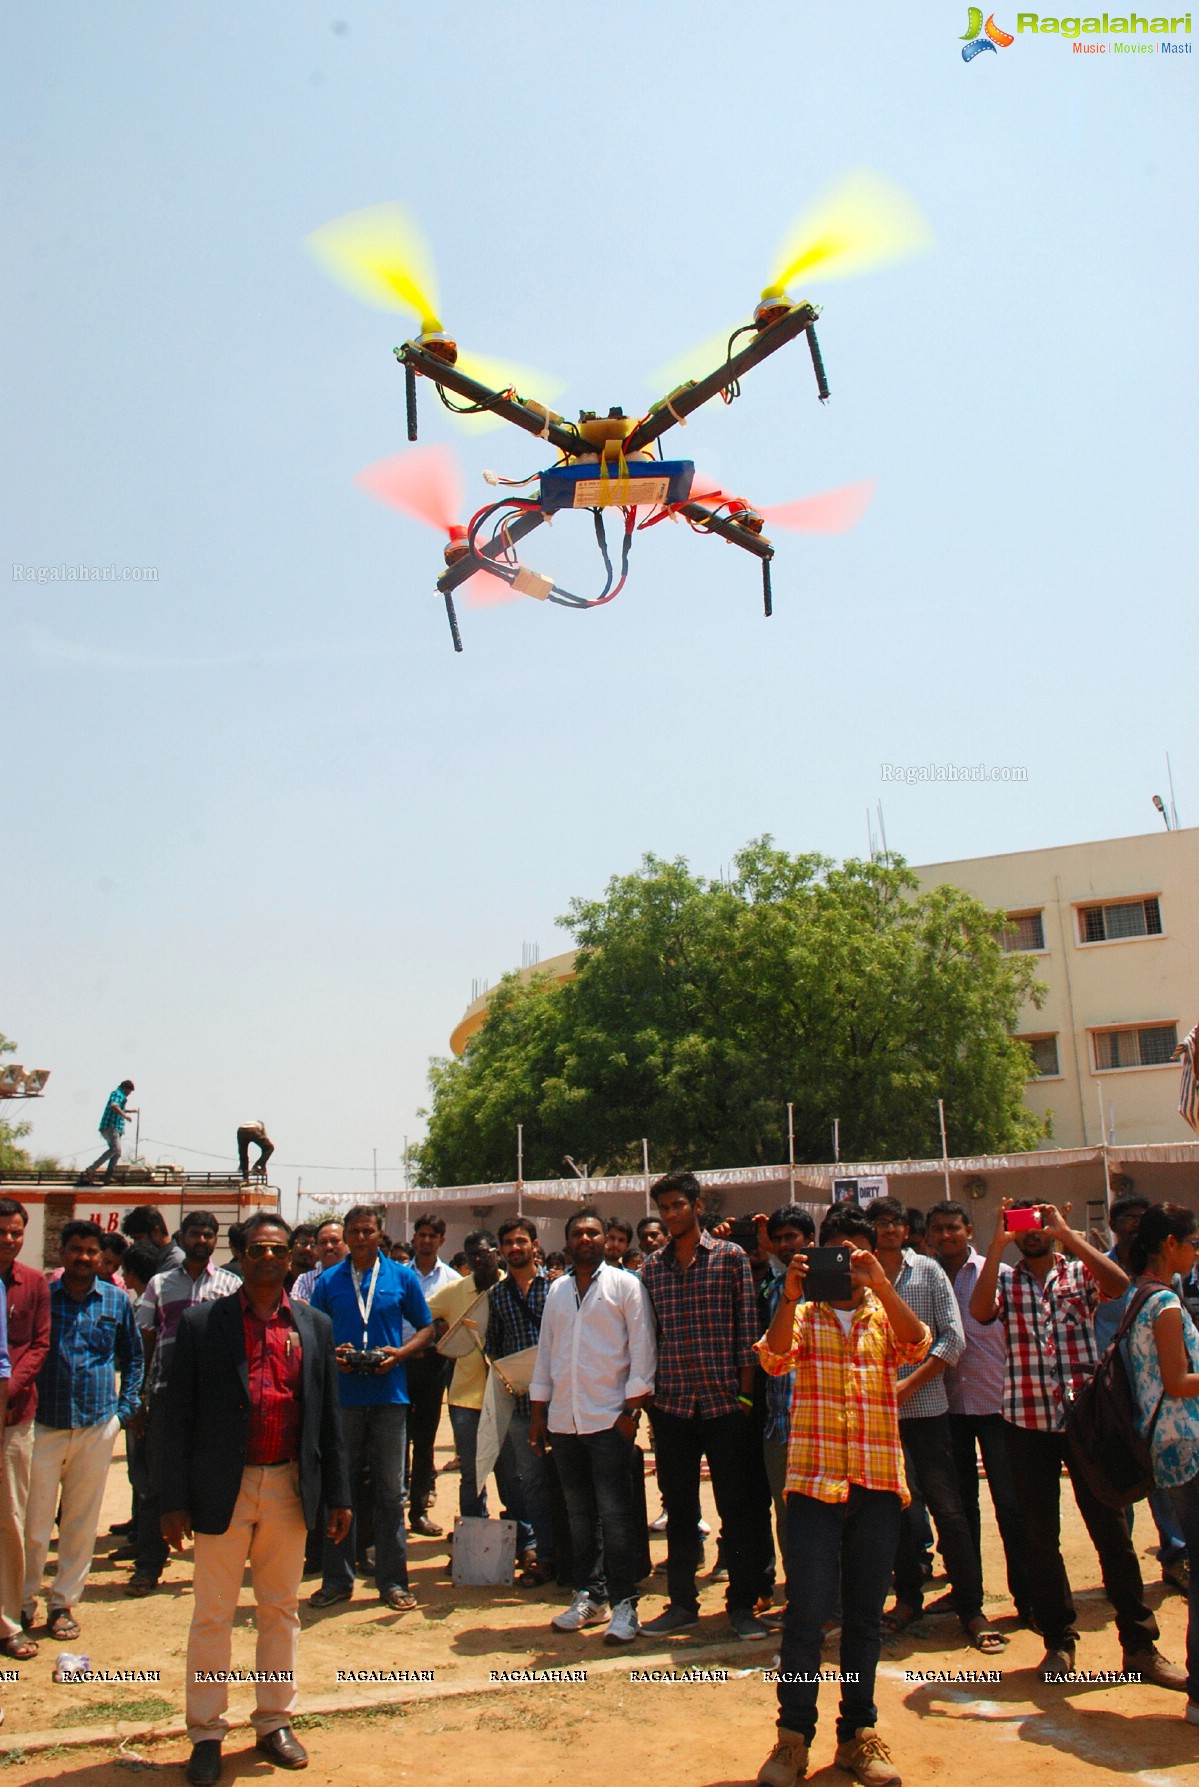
point(1163, 1351)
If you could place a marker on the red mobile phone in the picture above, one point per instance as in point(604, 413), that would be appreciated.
point(1016, 1220)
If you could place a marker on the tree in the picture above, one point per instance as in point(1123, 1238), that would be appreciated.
point(12, 1134)
point(701, 1008)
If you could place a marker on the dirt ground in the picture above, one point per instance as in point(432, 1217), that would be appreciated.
point(471, 1732)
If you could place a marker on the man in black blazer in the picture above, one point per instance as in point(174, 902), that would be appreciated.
point(253, 1443)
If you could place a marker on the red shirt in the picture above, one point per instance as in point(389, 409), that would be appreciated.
point(28, 1338)
point(273, 1358)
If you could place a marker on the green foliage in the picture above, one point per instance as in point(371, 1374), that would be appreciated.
point(12, 1134)
point(700, 1008)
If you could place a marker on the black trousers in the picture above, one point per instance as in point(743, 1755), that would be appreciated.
point(1037, 1460)
point(987, 1433)
point(679, 1445)
point(426, 1390)
point(928, 1450)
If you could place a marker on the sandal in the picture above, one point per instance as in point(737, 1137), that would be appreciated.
point(328, 1597)
point(60, 1625)
point(19, 1647)
point(400, 1600)
point(984, 1637)
point(140, 1584)
point(900, 1617)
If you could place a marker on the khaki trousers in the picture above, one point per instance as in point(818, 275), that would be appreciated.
point(77, 1460)
point(14, 1500)
point(268, 1528)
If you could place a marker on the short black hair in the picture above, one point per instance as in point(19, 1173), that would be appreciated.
point(791, 1216)
point(140, 1262)
point(78, 1230)
point(301, 1228)
point(645, 1223)
point(887, 1207)
point(357, 1210)
point(114, 1242)
point(576, 1215)
point(843, 1222)
point(511, 1223)
point(429, 1219)
point(616, 1225)
point(126, 1086)
point(260, 1220)
point(237, 1238)
point(479, 1238)
point(950, 1207)
point(330, 1222)
point(143, 1220)
point(200, 1219)
point(1125, 1205)
point(458, 1260)
point(916, 1222)
point(14, 1207)
point(687, 1183)
point(555, 1259)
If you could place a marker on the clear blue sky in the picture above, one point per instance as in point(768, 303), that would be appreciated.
point(263, 827)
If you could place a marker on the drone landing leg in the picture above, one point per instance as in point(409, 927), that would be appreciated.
point(817, 366)
point(453, 620)
point(410, 399)
point(767, 598)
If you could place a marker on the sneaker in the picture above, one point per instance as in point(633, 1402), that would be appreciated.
point(867, 1758)
point(787, 1763)
point(705, 1531)
point(671, 1619)
point(1056, 1663)
point(1151, 1666)
point(624, 1625)
point(1192, 1713)
point(659, 1525)
point(1177, 1574)
point(747, 1625)
point(583, 1611)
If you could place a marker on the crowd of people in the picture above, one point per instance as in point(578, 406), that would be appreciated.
point(281, 1408)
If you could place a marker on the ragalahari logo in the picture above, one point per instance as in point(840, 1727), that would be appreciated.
point(979, 37)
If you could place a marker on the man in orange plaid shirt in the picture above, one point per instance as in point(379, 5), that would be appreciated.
point(845, 1490)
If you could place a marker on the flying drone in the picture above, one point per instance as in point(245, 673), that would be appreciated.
point(612, 462)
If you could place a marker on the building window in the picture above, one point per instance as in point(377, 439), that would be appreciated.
point(1125, 918)
point(1023, 931)
point(1145, 1045)
point(1044, 1055)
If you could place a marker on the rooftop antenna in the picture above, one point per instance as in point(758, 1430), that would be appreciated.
point(883, 834)
point(872, 847)
point(1173, 808)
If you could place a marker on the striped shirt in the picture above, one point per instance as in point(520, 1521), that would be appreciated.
point(515, 1322)
point(159, 1310)
point(925, 1288)
point(90, 1341)
point(780, 1389)
point(707, 1324)
point(1050, 1341)
point(974, 1385)
point(845, 1420)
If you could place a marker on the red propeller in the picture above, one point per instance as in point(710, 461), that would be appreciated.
point(426, 484)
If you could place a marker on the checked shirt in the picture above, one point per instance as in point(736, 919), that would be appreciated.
point(1050, 1341)
point(845, 1420)
point(707, 1325)
point(515, 1322)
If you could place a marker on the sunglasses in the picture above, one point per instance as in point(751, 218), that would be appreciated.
point(277, 1250)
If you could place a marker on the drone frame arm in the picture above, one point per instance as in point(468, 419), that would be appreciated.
point(509, 409)
point(793, 322)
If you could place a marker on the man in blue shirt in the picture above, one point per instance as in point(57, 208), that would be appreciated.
point(367, 1298)
point(112, 1128)
point(92, 1337)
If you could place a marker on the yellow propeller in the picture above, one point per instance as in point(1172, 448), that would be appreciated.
point(381, 256)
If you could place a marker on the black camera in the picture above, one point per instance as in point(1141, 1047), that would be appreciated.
point(365, 1363)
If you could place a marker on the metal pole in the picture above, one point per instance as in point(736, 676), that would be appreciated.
point(836, 1141)
point(375, 1171)
point(407, 1199)
point(791, 1148)
point(520, 1167)
point(645, 1165)
point(944, 1146)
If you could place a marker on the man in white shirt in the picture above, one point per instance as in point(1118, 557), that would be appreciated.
point(596, 1359)
point(330, 1249)
point(427, 1377)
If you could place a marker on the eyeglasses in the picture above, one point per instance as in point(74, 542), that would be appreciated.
point(277, 1250)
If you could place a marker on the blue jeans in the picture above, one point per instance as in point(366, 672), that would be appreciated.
point(1172, 1545)
point(377, 1433)
point(1185, 1502)
point(522, 1477)
point(853, 1542)
point(595, 1474)
point(472, 1495)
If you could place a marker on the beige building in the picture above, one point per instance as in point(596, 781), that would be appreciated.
point(1113, 928)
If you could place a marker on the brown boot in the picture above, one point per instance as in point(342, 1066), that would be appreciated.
point(1151, 1666)
point(868, 1759)
point(787, 1763)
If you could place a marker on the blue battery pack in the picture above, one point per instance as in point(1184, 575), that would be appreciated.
point(639, 483)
